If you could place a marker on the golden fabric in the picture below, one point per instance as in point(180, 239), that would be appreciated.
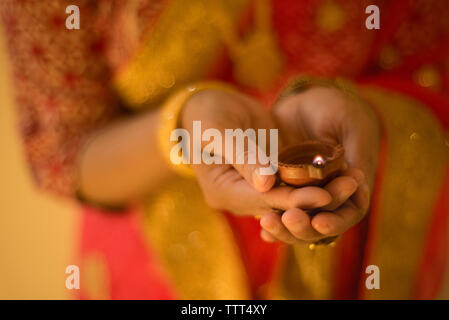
point(417, 157)
point(330, 16)
point(195, 243)
point(258, 48)
point(305, 274)
point(181, 48)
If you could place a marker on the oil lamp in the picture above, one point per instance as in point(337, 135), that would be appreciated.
point(311, 163)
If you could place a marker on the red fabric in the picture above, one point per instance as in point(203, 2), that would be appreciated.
point(133, 271)
point(348, 265)
point(434, 260)
point(435, 101)
point(393, 15)
point(259, 257)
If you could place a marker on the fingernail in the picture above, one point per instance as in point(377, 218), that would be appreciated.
point(259, 180)
point(267, 225)
point(355, 184)
point(322, 228)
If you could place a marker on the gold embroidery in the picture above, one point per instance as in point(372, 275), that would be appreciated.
point(415, 165)
point(258, 48)
point(181, 48)
point(305, 274)
point(195, 244)
point(428, 77)
point(330, 16)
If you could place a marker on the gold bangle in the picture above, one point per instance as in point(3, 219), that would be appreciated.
point(170, 119)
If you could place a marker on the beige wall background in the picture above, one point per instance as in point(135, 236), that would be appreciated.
point(38, 234)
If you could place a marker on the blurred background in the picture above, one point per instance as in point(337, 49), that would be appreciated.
point(37, 232)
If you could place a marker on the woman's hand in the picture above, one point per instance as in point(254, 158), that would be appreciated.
point(327, 114)
point(239, 188)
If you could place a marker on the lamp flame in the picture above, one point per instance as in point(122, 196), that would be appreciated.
point(318, 161)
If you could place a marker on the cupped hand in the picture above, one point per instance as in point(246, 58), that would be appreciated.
point(329, 115)
point(240, 188)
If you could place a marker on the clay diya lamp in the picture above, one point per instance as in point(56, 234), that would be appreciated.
point(311, 163)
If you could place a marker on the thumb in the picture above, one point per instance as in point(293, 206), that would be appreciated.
point(261, 176)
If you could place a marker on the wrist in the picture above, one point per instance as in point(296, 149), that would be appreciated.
point(200, 104)
point(176, 112)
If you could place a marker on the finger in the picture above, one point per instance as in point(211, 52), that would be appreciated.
point(261, 176)
point(224, 188)
point(285, 197)
point(230, 191)
point(361, 197)
point(361, 140)
point(337, 222)
point(247, 157)
point(341, 189)
point(299, 224)
point(272, 223)
point(266, 236)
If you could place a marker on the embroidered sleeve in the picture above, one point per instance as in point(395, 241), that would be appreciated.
point(61, 83)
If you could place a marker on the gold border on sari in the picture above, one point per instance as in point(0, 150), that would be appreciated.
point(181, 47)
point(304, 274)
point(416, 161)
point(195, 244)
